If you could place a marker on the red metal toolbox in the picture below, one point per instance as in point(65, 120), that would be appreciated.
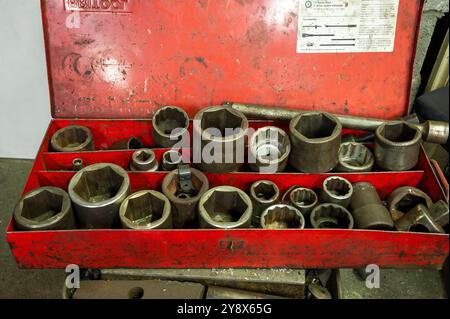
point(112, 63)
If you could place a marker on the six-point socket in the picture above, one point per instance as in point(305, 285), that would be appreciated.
point(97, 191)
point(315, 138)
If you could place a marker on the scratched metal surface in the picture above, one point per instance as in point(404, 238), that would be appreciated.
point(145, 54)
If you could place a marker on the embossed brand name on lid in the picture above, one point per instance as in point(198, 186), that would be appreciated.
point(98, 5)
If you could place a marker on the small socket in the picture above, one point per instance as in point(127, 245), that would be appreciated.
point(171, 159)
point(144, 160)
point(77, 164)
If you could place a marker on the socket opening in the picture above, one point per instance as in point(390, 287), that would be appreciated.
point(99, 184)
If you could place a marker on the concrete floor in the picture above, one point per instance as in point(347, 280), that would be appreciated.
point(15, 283)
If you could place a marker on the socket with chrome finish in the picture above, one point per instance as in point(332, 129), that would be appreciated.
point(331, 216)
point(304, 199)
point(97, 191)
point(222, 132)
point(225, 207)
point(143, 160)
point(170, 126)
point(282, 216)
point(336, 190)
point(45, 208)
point(263, 193)
point(354, 157)
point(368, 210)
point(315, 138)
point(146, 210)
point(397, 146)
point(73, 138)
point(269, 150)
point(405, 198)
point(185, 202)
point(170, 160)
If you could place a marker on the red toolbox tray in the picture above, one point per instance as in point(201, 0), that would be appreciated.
point(111, 66)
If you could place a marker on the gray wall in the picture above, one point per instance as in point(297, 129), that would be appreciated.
point(24, 97)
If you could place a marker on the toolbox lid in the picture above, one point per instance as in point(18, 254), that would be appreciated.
point(126, 58)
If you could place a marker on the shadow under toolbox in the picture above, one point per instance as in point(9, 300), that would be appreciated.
point(113, 64)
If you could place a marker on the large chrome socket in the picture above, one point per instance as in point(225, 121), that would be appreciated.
point(45, 208)
point(222, 132)
point(225, 207)
point(315, 138)
point(97, 191)
point(269, 150)
point(397, 146)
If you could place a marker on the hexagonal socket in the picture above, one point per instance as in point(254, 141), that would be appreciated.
point(170, 125)
point(77, 164)
point(146, 210)
point(184, 206)
point(225, 207)
point(331, 216)
point(97, 192)
point(354, 157)
point(404, 199)
point(171, 159)
point(263, 194)
point(73, 138)
point(336, 190)
point(315, 138)
point(222, 131)
point(144, 160)
point(304, 200)
point(45, 208)
point(269, 150)
point(397, 146)
point(282, 217)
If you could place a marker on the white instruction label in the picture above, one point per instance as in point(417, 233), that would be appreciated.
point(326, 26)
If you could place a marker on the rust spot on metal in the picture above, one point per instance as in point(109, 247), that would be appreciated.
point(201, 60)
point(258, 34)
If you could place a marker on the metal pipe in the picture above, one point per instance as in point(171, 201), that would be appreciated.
point(432, 131)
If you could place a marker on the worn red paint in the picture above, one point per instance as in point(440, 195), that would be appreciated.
point(199, 53)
